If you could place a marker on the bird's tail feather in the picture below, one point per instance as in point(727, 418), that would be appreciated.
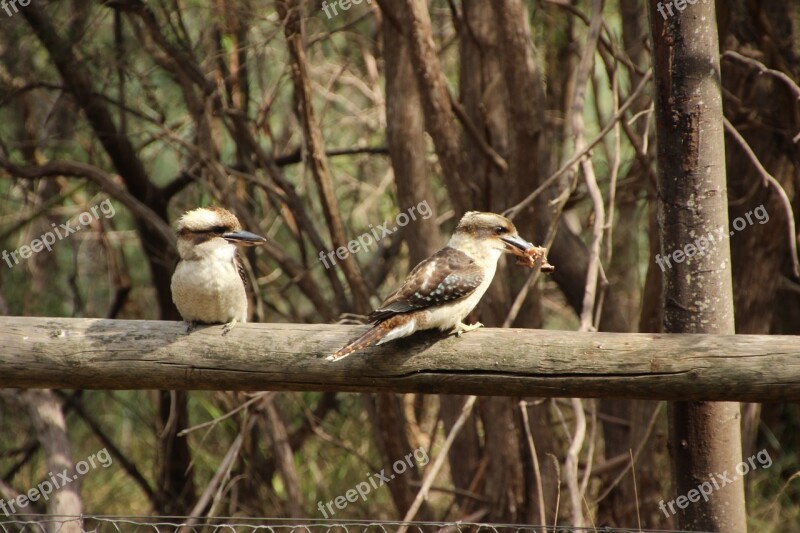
point(370, 338)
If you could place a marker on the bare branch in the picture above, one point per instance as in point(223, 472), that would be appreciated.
point(317, 161)
point(99, 177)
point(438, 463)
point(537, 474)
point(769, 179)
point(578, 155)
point(578, 100)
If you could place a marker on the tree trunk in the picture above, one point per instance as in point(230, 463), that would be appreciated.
point(440, 120)
point(698, 297)
point(390, 427)
point(51, 429)
point(764, 110)
point(405, 135)
point(176, 490)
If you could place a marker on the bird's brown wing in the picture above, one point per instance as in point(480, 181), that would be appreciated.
point(239, 265)
point(447, 275)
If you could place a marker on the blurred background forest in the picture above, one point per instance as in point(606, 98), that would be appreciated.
point(313, 123)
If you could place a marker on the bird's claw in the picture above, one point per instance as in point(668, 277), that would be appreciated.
point(190, 327)
point(227, 328)
point(462, 328)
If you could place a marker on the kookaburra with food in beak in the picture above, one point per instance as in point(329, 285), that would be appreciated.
point(444, 288)
point(208, 285)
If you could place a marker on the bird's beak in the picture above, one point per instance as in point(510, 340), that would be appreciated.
point(244, 238)
point(516, 244)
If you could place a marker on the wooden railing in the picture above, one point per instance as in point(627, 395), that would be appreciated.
point(40, 352)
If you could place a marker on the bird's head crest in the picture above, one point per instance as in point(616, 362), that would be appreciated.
point(208, 219)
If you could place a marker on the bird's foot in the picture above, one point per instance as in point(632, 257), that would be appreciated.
point(227, 328)
point(462, 328)
point(191, 326)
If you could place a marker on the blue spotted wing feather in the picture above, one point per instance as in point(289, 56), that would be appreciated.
point(444, 277)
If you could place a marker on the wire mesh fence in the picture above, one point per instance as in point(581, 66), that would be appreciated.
point(156, 524)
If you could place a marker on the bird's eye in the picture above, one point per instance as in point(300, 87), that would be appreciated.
point(499, 230)
point(219, 230)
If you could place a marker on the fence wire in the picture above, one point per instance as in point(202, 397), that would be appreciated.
point(156, 524)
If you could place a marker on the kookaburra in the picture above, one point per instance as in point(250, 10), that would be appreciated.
point(208, 285)
point(444, 288)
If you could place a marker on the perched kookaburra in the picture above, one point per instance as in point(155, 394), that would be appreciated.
point(208, 285)
point(442, 290)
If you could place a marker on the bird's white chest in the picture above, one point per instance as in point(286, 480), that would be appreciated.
point(446, 316)
point(209, 289)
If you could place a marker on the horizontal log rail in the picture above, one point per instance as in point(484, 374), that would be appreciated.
point(77, 353)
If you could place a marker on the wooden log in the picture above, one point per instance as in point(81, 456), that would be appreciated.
point(76, 353)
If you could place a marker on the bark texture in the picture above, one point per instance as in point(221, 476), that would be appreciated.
point(137, 354)
point(698, 292)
